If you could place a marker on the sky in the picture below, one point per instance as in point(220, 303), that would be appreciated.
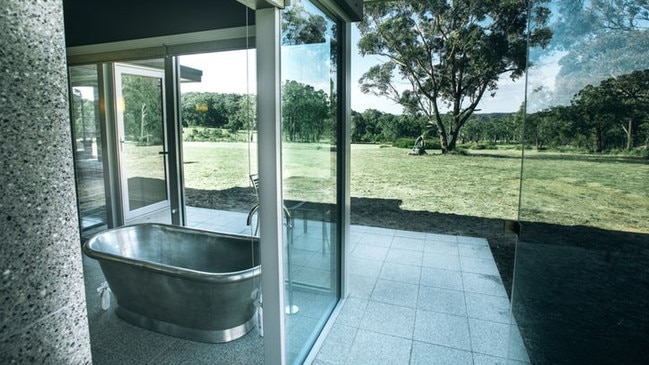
point(225, 72)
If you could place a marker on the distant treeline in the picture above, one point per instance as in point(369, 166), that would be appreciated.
point(372, 126)
point(613, 115)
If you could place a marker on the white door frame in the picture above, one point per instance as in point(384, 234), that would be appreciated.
point(119, 70)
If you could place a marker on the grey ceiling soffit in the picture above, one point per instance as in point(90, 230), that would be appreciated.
point(263, 4)
point(353, 8)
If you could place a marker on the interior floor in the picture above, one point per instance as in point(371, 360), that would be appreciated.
point(415, 298)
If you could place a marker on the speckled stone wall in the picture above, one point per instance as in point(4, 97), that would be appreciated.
point(42, 304)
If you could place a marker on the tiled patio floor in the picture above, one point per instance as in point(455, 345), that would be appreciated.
point(415, 298)
point(422, 298)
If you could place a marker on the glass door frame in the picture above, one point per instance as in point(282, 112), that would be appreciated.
point(265, 37)
point(105, 55)
point(268, 36)
point(119, 70)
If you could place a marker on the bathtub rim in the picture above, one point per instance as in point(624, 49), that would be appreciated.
point(197, 275)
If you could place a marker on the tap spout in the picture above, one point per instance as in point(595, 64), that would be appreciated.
point(255, 208)
point(252, 212)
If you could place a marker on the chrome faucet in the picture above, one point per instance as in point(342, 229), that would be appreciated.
point(252, 212)
point(255, 208)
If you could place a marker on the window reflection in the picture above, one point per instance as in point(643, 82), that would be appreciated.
point(580, 287)
point(88, 153)
point(309, 130)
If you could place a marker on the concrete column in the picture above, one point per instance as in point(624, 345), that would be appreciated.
point(42, 303)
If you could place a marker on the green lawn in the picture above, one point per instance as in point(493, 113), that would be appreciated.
point(567, 189)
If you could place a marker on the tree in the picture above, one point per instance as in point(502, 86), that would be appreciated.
point(597, 111)
point(305, 112)
point(142, 109)
point(632, 92)
point(549, 128)
point(604, 38)
point(451, 53)
point(301, 27)
point(206, 109)
point(245, 116)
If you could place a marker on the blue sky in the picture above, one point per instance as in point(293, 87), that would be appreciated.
point(226, 72)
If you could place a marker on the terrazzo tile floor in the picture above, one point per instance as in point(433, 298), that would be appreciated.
point(415, 298)
point(422, 298)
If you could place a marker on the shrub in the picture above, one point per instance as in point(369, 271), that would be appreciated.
point(404, 143)
point(641, 152)
point(433, 144)
point(206, 135)
point(480, 146)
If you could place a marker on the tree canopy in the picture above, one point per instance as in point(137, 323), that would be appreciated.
point(142, 109)
point(603, 38)
point(451, 53)
point(207, 109)
point(618, 101)
point(301, 27)
point(305, 112)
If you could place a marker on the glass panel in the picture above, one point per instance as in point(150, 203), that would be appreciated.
point(309, 128)
point(218, 113)
point(140, 116)
point(581, 285)
point(88, 153)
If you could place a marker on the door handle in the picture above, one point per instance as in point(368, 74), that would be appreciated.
point(163, 153)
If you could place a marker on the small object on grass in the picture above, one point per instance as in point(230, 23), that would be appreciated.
point(419, 148)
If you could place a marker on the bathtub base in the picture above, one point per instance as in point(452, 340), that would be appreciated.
point(192, 334)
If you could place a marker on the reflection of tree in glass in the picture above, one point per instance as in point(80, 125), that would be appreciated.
point(142, 109)
point(603, 38)
point(300, 27)
point(83, 113)
point(612, 115)
point(618, 104)
point(450, 53)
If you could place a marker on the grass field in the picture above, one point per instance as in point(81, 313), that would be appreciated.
point(607, 192)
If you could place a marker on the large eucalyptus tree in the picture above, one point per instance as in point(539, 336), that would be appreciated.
point(450, 52)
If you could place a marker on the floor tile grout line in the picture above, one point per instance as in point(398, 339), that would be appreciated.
point(464, 291)
point(393, 234)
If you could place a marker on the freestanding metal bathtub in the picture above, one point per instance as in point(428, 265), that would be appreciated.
point(183, 282)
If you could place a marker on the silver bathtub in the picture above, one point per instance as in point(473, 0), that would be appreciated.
point(183, 282)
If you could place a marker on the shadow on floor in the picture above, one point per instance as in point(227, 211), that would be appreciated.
point(581, 294)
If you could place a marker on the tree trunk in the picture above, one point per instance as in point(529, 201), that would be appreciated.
point(599, 143)
point(629, 135)
point(443, 141)
point(452, 142)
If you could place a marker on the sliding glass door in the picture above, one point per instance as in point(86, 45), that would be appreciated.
point(310, 39)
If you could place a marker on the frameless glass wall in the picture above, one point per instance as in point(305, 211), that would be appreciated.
point(219, 139)
point(309, 75)
point(581, 283)
point(88, 149)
